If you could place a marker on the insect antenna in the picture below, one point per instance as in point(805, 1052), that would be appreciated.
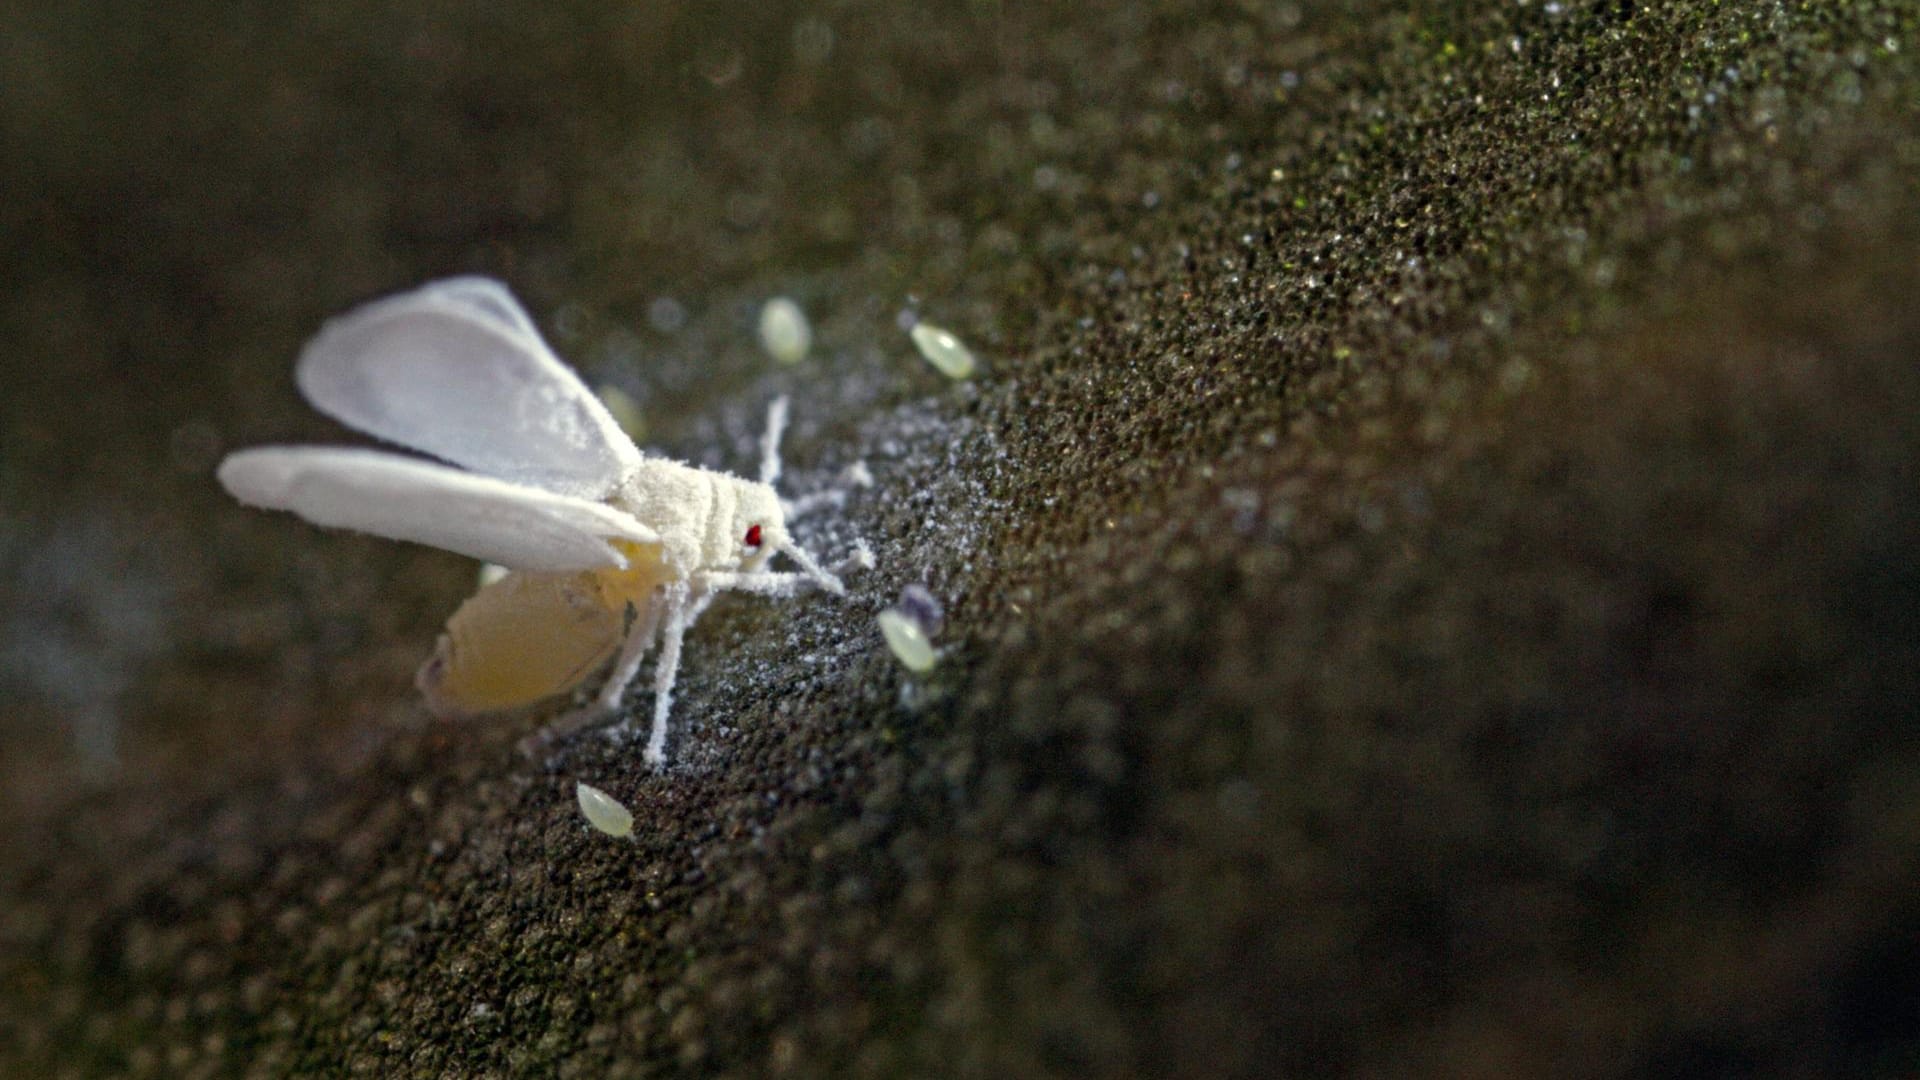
point(813, 569)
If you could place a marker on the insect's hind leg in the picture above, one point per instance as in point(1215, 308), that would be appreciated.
point(763, 583)
point(683, 608)
point(854, 476)
point(770, 442)
point(641, 632)
point(640, 636)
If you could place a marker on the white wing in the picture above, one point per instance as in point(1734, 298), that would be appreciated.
point(405, 498)
point(456, 369)
point(486, 297)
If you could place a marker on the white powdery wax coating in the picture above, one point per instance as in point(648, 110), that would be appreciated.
point(907, 640)
point(943, 351)
point(603, 811)
point(784, 331)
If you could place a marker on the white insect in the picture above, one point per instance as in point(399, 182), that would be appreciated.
point(603, 545)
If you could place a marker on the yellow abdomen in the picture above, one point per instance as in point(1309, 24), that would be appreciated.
point(530, 636)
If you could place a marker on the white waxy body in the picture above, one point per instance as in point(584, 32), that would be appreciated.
point(606, 550)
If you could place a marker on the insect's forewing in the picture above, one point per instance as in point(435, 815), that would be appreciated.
point(404, 498)
point(456, 369)
point(487, 297)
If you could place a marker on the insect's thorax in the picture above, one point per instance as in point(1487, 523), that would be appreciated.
point(646, 570)
point(695, 511)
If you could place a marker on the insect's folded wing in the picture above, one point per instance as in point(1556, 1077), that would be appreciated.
point(457, 370)
point(484, 296)
point(407, 499)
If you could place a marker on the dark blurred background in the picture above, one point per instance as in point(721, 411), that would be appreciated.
point(1429, 559)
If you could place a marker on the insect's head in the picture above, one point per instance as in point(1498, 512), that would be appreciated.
point(759, 525)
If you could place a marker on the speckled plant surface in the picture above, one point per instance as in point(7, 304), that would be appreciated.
point(1429, 557)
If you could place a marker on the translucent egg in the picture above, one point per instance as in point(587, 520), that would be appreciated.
point(603, 811)
point(944, 351)
point(908, 640)
point(784, 332)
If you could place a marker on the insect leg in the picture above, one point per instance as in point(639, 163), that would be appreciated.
point(763, 583)
point(813, 569)
point(807, 504)
point(853, 476)
point(683, 606)
point(770, 442)
point(639, 639)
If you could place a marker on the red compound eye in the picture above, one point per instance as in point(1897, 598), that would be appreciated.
point(753, 536)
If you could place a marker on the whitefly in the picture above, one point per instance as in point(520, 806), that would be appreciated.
point(609, 552)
